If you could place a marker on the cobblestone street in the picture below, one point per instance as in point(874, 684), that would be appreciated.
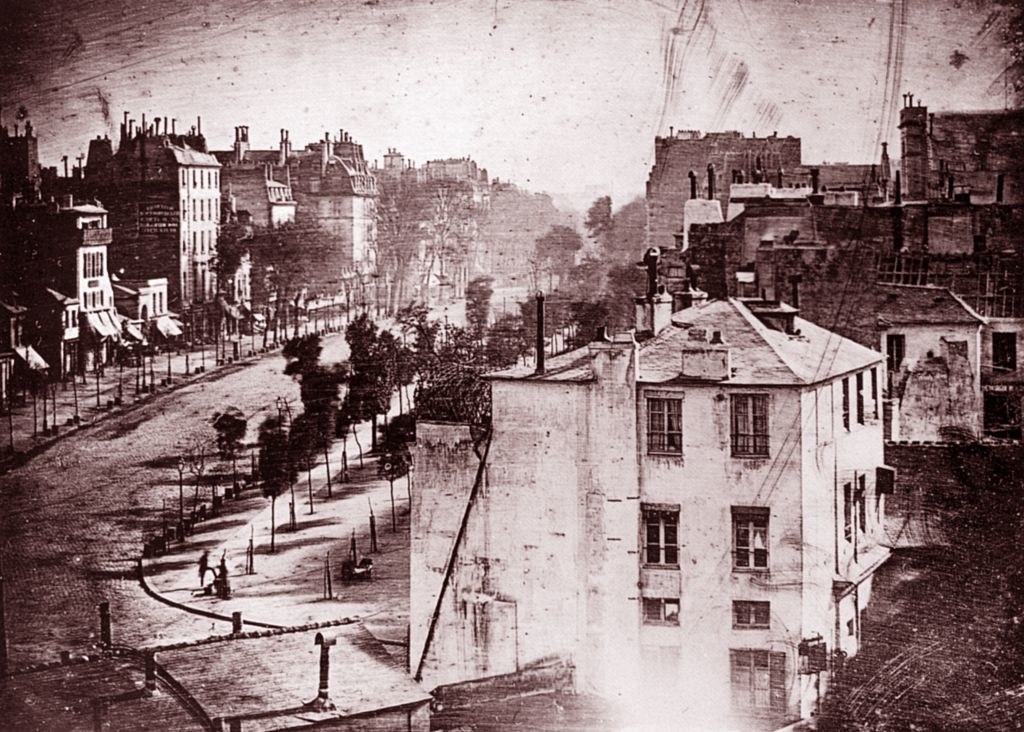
point(75, 517)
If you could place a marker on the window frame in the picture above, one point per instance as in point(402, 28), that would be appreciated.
point(662, 433)
point(859, 386)
point(745, 662)
point(662, 616)
point(749, 518)
point(845, 387)
point(1007, 351)
point(666, 519)
point(749, 425)
point(748, 610)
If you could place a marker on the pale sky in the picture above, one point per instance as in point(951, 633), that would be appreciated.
point(564, 96)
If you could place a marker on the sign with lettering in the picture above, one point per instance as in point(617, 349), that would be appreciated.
point(158, 218)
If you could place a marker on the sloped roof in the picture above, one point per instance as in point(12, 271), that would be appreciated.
point(759, 355)
point(61, 297)
point(188, 156)
point(923, 305)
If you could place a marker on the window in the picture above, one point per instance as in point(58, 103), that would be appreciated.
point(1004, 351)
point(661, 536)
point(846, 404)
point(875, 392)
point(895, 350)
point(746, 614)
point(665, 426)
point(848, 511)
point(750, 538)
point(757, 680)
point(661, 610)
point(860, 498)
point(860, 397)
point(749, 424)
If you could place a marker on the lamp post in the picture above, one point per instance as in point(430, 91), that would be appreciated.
point(181, 493)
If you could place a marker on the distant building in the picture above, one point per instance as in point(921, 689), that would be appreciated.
point(248, 180)
point(975, 157)
point(691, 522)
point(163, 192)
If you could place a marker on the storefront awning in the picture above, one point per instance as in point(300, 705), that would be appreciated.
point(102, 325)
point(232, 311)
point(31, 358)
point(168, 327)
point(133, 331)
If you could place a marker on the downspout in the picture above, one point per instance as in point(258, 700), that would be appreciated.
point(450, 564)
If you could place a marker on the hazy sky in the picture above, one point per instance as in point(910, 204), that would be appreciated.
point(557, 95)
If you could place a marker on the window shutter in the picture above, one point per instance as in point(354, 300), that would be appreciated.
point(885, 480)
point(777, 681)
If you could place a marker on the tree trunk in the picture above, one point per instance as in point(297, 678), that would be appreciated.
point(344, 458)
point(273, 504)
point(309, 481)
point(327, 467)
point(355, 434)
point(291, 508)
point(394, 515)
point(373, 433)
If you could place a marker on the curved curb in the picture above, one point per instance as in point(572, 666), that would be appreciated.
point(140, 569)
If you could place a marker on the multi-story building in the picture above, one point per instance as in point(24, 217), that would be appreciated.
point(249, 184)
point(690, 523)
point(975, 156)
point(163, 192)
point(59, 253)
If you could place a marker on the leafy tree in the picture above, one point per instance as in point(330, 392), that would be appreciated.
point(478, 304)
point(507, 342)
point(392, 466)
point(303, 439)
point(403, 209)
point(276, 468)
point(586, 317)
point(556, 251)
point(450, 226)
point(399, 433)
point(230, 426)
point(232, 246)
point(625, 282)
point(599, 217)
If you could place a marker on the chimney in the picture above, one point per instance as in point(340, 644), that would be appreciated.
point(174, 126)
point(815, 175)
point(898, 190)
point(540, 333)
point(199, 125)
point(703, 361)
point(693, 184)
point(794, 290)
point(711, 181)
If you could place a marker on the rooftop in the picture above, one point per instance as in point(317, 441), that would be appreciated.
point(922, 305)
point(281, 674)
point(759, 355)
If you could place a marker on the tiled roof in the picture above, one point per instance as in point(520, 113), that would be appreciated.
point(759, 355)
point(280, 672)
point(923, 304)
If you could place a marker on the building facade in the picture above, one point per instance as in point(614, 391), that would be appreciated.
point(691, 521)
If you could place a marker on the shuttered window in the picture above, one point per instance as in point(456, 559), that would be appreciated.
point(757, 680)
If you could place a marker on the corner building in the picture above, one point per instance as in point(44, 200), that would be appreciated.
point(690, 522)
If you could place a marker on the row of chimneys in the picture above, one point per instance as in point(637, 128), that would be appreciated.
point(128, 129)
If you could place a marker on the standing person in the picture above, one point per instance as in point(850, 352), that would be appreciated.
point(204, 564)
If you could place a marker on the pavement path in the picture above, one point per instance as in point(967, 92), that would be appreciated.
point(75, 517)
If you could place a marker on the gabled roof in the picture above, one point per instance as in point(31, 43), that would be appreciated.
point(759, 355)
point(61, 297)
point(923, 305)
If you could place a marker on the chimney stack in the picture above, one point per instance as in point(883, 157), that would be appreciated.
point(898, 195)
point(711, 181)
point(815, 177)
point(693, 184)
point(540, 333)
point(322, 701)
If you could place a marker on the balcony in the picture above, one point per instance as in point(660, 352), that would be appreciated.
point(96, 237)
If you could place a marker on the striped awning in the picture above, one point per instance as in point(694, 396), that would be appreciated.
point(102, 324)
point(31, 358)
point(167, 326)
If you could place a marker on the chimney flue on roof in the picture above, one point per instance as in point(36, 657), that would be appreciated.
point(711, 181)
point(898, 188)
point(693, 184)
point(540, 333)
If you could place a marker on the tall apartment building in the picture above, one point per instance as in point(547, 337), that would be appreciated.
point(690, 523)
point(163, 191)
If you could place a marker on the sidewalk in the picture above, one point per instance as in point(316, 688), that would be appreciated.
point(287, 587)
point(92, 399)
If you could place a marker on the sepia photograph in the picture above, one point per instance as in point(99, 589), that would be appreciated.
point(512, 365)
